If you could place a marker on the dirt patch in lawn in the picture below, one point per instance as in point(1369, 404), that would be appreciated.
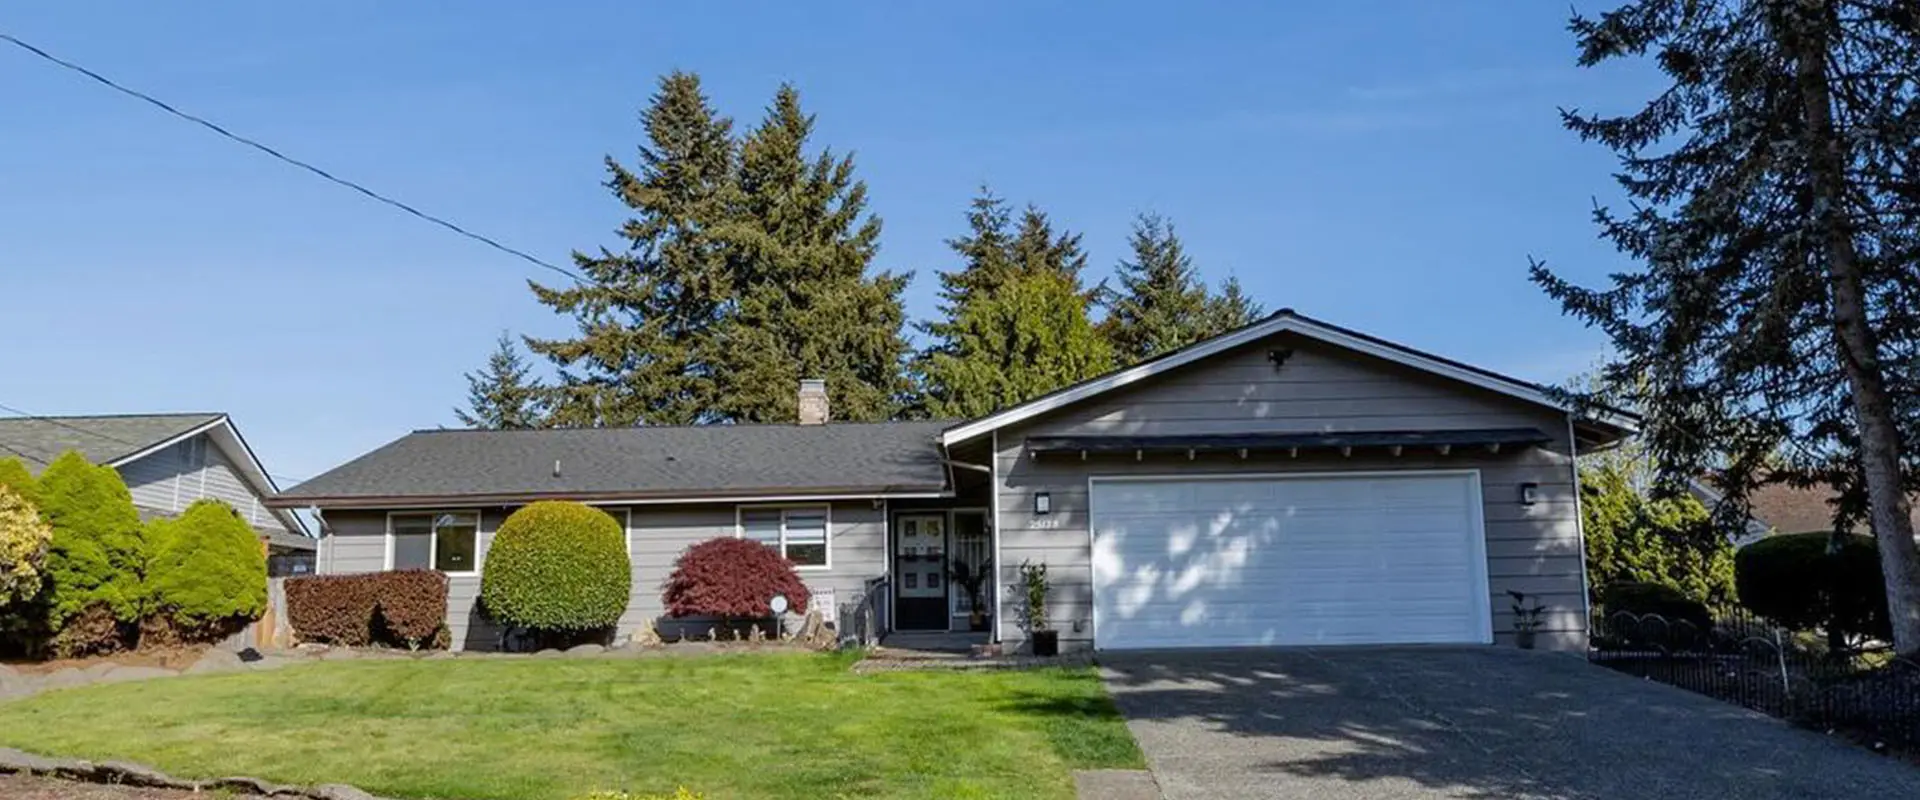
point(21, 787)
point(173, 658)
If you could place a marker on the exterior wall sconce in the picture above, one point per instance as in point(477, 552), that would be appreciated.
point(1042, 504)
point(1529, 493)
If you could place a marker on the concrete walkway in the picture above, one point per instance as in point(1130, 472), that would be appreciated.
point(1463, 723)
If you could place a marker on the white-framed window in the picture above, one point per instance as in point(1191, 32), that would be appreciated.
point(448, 541)
point(797, 532)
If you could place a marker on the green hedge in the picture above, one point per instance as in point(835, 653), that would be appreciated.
point(1792, 579)
point(98, 555)
point(207, 576)
point(557, 567)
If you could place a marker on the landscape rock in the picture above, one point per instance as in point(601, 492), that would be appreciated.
point(586, 650)
point(338, 791)
point(271, 662)
point(63, 678)
point(341, 654)
point(125, 674)
point(245, 786)
point(12, 760)
point(216, 661)
point(130, 774)
point(548, 653)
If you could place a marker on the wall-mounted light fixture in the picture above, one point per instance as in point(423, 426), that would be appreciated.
point(1529, 493)
point(1042, 504)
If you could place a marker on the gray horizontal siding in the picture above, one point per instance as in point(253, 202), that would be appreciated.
point(168, 480)
point(656, 536)
point(1534, 549)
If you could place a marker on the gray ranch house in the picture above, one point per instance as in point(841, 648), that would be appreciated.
point(168, 461)
point(1288, 483)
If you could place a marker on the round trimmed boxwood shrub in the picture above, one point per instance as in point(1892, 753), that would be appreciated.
point(557, 567)
point(732, 578)
point(207, 576)
point(1793, 580)
point(1655, 599)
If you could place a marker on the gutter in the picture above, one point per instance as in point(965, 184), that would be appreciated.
point(607, 498)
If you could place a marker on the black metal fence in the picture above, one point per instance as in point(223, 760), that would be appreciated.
point(1870, 696)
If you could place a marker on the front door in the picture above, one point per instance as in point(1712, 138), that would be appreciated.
point(920, 572)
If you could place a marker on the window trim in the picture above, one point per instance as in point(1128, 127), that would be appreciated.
point(433, 546)
point(826, 511)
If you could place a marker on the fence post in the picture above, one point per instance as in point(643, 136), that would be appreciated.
point(1780, 655)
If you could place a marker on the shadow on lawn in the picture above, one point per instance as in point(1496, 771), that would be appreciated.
point(1472, 723)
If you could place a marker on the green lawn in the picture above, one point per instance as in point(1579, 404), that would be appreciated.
point(790, 725)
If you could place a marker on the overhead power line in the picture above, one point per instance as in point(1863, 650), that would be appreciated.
point(57, 422)
point(277, 155)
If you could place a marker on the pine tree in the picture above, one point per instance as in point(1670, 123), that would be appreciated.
point(502, 397)
point(648, 315)
point(1773, 206)
point(801, 243)
point(1231, 309)
point(1015, 319)
point(1161, 304)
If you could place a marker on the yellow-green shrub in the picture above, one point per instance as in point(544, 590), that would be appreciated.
point(24, 539)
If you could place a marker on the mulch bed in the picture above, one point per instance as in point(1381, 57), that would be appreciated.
point(22, 787)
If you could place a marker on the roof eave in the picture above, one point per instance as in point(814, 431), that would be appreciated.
point(763, 494)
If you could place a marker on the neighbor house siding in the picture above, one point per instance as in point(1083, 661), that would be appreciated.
point(168, 480)
point(1534, 549)
point(656, 535)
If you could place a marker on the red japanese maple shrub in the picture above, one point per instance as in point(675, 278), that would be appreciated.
point(732, 579)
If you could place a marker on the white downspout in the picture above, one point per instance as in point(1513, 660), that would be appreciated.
point(993, 510)
point(1580, 526)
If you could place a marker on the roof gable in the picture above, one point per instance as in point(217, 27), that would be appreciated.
point(1284, 321)
point(103, 439)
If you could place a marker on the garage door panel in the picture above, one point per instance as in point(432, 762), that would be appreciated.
point(1285, 560)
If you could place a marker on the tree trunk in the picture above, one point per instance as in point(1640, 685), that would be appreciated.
point(1859, 349)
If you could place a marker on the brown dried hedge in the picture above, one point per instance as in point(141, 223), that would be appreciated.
point(405, 608)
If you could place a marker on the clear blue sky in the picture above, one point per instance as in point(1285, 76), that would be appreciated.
point(1383, 165)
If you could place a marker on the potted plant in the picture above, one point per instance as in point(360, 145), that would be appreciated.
point(1046, 640)
point(972, 580)
point(1526, 619)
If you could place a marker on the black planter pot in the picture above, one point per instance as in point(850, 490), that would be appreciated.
point(1046, 643)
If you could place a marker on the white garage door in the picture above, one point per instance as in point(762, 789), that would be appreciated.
point(1295, 560)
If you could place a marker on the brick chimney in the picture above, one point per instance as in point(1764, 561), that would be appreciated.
point(813, 402)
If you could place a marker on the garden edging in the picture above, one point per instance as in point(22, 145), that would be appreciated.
point(128, 774)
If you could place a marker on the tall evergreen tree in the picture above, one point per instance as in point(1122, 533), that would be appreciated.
point(1774, 216)
point(1016, 321)
point(1160, 304)
point(502, 396)
point(1231, 308)
point(801, 244)
point(647, 317)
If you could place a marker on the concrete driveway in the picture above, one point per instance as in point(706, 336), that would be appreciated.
point(1459, 722)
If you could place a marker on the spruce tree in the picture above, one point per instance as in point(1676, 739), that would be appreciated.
point(647, 316)
point(801, 245)
point(1015, 318)
point(1231, 309)
point(1773, 204)
point(502, 397)
point(1161, 304)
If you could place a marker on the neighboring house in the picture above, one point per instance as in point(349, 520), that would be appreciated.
point(1779, 508)
point(168, 461)
point(1287, 483)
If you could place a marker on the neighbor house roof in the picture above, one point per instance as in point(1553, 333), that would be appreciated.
point(119, 439)
point(682, 463)
point(1601, 426)
point(105, 439)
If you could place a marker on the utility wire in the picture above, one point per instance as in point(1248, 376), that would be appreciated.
point(276, 154)
point(55, 421)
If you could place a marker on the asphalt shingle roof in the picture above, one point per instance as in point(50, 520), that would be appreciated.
point(708, 460)
point(102, 439)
